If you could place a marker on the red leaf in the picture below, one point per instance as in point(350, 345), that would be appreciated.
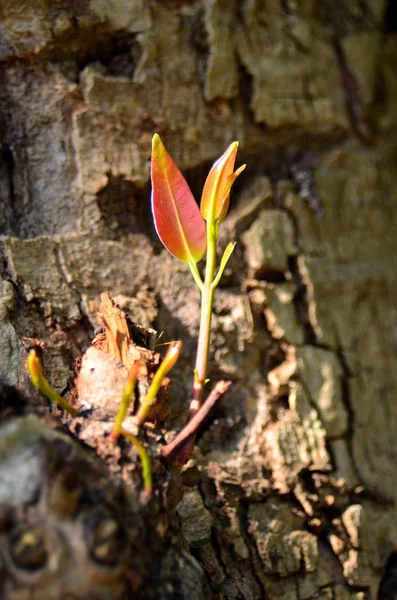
point(177, 217)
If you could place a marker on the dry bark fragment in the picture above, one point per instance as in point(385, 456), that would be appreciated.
point(118, 346)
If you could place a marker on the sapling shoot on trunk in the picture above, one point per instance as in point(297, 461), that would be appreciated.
point(189, 233)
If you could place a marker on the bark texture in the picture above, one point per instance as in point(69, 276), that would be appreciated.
point(292, 489)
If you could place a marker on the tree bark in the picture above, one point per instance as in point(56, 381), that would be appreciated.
point(291, 491)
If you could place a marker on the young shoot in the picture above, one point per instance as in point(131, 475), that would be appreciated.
point(189, 233)
point(118, 430)
point(37, 376)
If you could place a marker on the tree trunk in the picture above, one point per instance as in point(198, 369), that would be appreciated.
point(291, 492)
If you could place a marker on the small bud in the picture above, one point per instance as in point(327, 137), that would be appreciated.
point(37, 376)
point(216, 192)
point(34, 368)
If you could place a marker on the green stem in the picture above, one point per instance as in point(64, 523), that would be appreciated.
point(145, 460)
point(167, 363)
point(126, 400)
point(196, 275)
point(56, 398)
point(207, 296)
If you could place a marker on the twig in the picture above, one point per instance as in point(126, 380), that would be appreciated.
point(171, 450)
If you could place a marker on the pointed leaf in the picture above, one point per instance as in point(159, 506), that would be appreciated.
point(214, 202)
point(177, 217)
point(224, 260)
point(229, 182)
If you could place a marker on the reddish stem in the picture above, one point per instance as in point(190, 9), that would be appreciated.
point(179, 448)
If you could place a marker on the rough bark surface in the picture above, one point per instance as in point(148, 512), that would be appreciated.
point(292, 489)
